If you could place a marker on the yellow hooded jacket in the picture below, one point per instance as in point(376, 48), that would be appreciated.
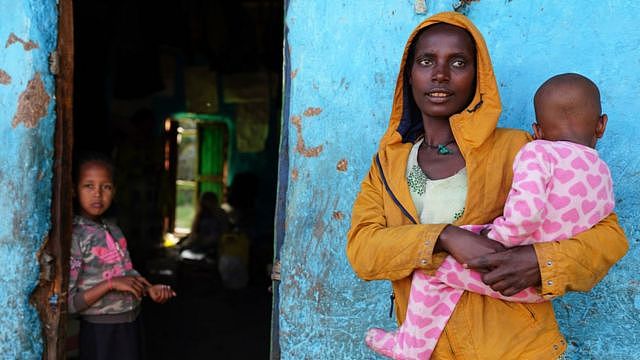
point(385, 241)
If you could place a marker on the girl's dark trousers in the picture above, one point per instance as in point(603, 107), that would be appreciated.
point(122, 341)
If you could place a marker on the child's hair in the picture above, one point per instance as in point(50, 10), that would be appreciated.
point(568, 107)
point(92, 156)
point(588, 101)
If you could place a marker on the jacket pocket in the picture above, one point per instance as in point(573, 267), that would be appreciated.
point(527, 311)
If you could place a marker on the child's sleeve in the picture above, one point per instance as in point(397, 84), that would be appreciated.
point(525, 205)
point(76, 296)
point(128, 264)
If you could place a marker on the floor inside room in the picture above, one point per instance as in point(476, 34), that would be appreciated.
point(205, 320)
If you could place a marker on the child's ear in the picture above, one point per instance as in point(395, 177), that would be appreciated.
point(537, 131)
point(601, 125)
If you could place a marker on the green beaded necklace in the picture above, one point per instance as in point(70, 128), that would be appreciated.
point(442, 148)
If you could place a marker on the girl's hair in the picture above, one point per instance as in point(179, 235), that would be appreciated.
point(92, 156)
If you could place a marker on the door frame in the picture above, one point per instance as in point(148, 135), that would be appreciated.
point(50, 296)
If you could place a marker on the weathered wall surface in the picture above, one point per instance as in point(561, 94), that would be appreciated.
point(28, 31)
point(343, 61)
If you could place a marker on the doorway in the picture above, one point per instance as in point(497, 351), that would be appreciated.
point(153, 82)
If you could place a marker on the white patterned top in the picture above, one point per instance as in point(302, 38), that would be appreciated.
point(437, 201)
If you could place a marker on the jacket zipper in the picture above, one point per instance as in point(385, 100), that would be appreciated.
point(392, 297)
point(393, 197)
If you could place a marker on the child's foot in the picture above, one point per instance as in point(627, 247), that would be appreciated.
point(382, 342)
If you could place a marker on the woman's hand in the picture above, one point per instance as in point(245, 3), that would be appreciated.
point(160, 293)
point(510, 271)
point(135, 285)
point(465, 245)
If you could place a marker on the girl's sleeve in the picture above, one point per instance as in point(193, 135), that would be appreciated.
point(525, 204)
point(377, 251)
point(579, 263)
point(129, 269)
point(75, 297)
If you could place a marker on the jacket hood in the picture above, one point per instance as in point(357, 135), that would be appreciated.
point(472, 126)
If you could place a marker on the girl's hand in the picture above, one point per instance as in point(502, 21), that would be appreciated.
point(135, 285)
point(511, 271)
point(160, 293)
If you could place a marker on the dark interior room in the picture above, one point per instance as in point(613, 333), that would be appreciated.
point(185, 97)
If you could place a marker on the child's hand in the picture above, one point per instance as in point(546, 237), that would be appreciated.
point(160, 293)
point(132, 284)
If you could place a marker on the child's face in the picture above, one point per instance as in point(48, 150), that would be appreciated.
point(95, 189)
point(443, 72)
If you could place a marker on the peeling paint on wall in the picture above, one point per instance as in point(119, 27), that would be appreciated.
point(26, 164)
point(301, 148)
point(27, 45)
point(342, 165)
point(5, 79)
point(33, 104)
point(312, 111)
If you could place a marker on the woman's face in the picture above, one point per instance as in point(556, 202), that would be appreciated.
point(443, 73)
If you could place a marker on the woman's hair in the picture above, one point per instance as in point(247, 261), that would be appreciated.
point(92, 156)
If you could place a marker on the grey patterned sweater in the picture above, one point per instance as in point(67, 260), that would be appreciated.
point(98, 253)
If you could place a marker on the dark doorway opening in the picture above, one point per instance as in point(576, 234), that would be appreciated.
point(143, 70)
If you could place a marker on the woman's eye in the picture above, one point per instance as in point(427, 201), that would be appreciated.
point(425, 62)
point(458, 63)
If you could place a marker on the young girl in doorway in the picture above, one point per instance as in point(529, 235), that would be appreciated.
point(560, 188)
point(104, 289)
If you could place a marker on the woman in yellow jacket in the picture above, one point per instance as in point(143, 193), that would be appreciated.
point(443, 123)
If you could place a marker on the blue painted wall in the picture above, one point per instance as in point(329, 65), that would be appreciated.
point(28, 30)
point(343, 62)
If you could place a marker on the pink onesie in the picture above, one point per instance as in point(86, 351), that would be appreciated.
point(559, 189)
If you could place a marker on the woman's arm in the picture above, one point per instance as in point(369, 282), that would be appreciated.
point(379, 251)
point(575, 264)
point(579, 263)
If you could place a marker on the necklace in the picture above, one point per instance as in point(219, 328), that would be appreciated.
point(442, 148)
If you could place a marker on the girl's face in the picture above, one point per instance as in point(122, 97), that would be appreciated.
point(443, 72)
point(95, 189)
